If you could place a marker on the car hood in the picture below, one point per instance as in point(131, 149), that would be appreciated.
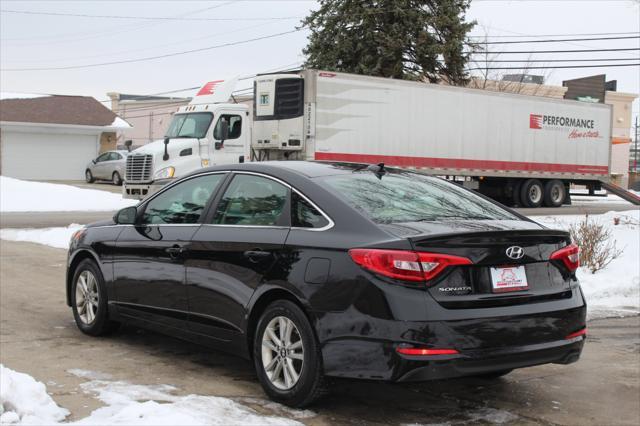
point(105, 222)
point(443, 227)
point(174, 147)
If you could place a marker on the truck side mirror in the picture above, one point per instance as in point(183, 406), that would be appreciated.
point(224, 133)
point(128, 144)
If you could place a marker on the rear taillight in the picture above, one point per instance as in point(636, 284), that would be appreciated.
point(569, 255)
point(582, 332)
point(404, 264)
point(425, 351)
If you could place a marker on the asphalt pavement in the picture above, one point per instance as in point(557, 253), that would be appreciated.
point(38, 337)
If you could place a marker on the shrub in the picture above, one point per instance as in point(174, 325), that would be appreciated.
point(597, 247)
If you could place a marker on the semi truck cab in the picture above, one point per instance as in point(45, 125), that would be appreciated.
point(209, 131)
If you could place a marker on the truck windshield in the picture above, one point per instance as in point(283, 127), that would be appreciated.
point(192, 125)
point(411, 197)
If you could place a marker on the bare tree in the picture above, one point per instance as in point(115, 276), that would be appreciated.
point(485, 76)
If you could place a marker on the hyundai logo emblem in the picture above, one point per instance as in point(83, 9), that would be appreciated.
point(515, 252)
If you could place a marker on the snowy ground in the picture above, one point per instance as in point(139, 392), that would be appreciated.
point(26, 196)
point(615, 290)
point(23, 400)
point(54, 237)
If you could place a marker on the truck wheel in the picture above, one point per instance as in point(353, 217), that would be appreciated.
point(515, 193)
point(554, 193)
point(532, 193)
point(89, 176)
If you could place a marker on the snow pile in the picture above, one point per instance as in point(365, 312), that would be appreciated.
point(26, 196)
point(614, 290)
point(54, 237)
point(129, 404)
point(23, 400)
point(120, 123)
point(15, 95)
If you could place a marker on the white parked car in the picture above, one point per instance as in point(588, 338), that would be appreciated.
point(109, 165)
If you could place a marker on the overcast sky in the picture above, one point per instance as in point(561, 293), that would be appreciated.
point(36, 41)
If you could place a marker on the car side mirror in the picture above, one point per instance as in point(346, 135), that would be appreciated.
point(94, 161)
point(126, 216)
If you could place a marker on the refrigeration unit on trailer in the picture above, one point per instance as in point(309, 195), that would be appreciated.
point(521, 149)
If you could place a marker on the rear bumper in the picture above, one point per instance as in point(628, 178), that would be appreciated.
point(488, 361)
point(487, 340)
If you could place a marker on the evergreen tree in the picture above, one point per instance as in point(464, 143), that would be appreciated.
point(409, 39)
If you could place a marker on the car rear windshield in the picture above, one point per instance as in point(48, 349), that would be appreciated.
point(410, 197)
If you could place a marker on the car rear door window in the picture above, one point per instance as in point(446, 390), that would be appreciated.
point(305, 215)
point(252, 201)
point(182, 203)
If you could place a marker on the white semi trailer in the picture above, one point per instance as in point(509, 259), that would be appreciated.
point(523, 150)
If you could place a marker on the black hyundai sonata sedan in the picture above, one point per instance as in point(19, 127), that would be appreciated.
point(318, 270)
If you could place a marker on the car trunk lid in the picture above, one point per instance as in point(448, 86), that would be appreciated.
point(529, 274)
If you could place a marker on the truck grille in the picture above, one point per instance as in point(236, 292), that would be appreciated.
point(139, 168)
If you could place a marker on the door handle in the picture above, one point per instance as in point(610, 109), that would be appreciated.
point(174, 251)
point(256, 255)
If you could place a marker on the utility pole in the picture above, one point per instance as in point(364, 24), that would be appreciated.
point(635, 148)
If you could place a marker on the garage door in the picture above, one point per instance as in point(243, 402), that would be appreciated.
point(41, 156)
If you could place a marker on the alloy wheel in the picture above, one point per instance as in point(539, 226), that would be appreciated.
point(87, 297)
point(282, 353)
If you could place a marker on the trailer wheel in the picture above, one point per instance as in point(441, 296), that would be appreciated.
point(532, 193)
point(515, 193)
point(554, 193)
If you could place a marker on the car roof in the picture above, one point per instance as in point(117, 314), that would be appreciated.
point(309, 169)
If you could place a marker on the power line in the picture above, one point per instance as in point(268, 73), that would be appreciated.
point(556, 40)
point(518, 35)
point(149, 58)
point(148, 18)
point(552, 60)
point(559, 51)
point(553, 67)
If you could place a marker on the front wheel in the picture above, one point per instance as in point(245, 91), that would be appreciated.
point(287, 356)
point(89, 300)
point(89, 176)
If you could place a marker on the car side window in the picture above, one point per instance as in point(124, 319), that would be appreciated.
point(304, 215)
point(103, 157)
point(252, 200)
point(235, 126)
point(182, 203)
point(115, 156)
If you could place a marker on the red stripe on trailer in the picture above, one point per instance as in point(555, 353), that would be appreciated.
point(459, 163)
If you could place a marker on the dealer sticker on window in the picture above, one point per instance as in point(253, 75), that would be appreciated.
point(509, 278)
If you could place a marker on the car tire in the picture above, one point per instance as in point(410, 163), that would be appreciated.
point(304, 360)
point(89, 300)
point(531, 193)
point(555, 193)
point(89, 176)
point(116, 179)
point(494, 375)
